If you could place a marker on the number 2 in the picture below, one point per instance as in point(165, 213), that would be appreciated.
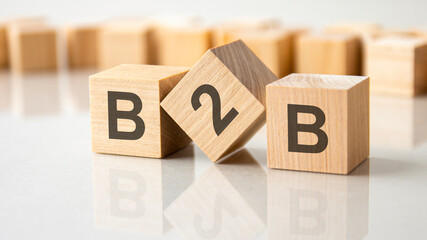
point(218, 123)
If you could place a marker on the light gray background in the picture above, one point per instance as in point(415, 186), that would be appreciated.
point(393, 13)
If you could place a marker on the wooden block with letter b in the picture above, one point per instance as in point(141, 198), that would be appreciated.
point(220, 102)
point(125, 111)
point(318, 123)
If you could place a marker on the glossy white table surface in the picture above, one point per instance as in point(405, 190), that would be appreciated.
point(53, 187)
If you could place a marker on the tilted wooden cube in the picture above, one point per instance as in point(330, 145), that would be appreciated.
point(124, 43)
point(125, 111)
point(82, 46)
point(181, 46)
point(397, 66)
point(33, 48)
point(328, 54)
point(273, 47)
point(318, 123)
point(220, 102)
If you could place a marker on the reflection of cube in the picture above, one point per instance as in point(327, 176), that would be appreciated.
point(124, 44)
point(328, 54)
point(33, 48)
point(318, 206)
point(214, 207)
point(82, 46)
point(273, 47)
point(397, 66)
point(181, 46)
point(219, 103)
point(318, 123)
point(126, 114)
point(398, 122)
point(131, 193)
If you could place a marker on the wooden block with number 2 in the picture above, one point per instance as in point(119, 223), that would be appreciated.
point(220, 102)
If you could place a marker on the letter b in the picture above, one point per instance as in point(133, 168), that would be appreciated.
point(114, 114)
point(294, 127)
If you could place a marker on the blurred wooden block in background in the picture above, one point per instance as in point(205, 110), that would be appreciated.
point(318, 123)
point(3, 46)
point(181, 46)
point(124, 42)
point(125, 111)
point(273, 47)
point(328, 54)
point(220, 102)
point(223, 32)
point(397, 65)
point(33, 48)
point(365, 31)
point(82, 46)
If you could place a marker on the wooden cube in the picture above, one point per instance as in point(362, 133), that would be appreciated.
point(124, 43)
point(318, 123)
point(397, 66)
point(214, 207)
point(3, 46)
point(181, 46)
point(125, 111)
point(131, 193)
point(82, 46)
point(273, 47)
point(318, 206)
point(328, 54)
point(220, 102)
point(33, 48)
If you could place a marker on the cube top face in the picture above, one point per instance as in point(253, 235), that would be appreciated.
point(140, 72)
point(400, 42)
point(328, 38)
point(137, 89)
point(213, 103)
point(315, 128)
point(246, 67)
point(320, 81)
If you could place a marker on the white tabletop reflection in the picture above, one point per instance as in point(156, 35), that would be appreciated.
point(54, 187)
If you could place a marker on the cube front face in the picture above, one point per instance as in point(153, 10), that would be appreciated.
point(128, 95)
point(317, 129)
point(34, 51)
point(214, 108)
point(125, 109)
point(3, 47)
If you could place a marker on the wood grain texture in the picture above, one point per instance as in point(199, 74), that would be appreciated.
point(273, 47)
point(124, 43)
point(82, 46)
point(328, 54)
point(345, 102)
point(240, 79)
point(397, 66)
point(151, 83)
point(33, 48)
point(181, 46)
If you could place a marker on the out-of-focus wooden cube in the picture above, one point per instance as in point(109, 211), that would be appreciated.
point(82, 46)
point(124, 42)
point(328, 54)
point(181, 46)
point(273, 47)
point(397, 65)
point(3, 46)
point(33, 48)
